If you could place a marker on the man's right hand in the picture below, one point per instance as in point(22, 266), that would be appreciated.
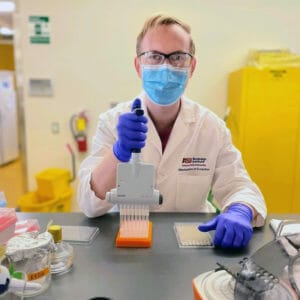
point(132, 131)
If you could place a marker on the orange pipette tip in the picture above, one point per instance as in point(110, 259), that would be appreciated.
point(135, 242)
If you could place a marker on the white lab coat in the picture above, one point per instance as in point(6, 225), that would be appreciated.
point(199, 156)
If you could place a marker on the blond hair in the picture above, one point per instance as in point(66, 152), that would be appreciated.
point(161, 19)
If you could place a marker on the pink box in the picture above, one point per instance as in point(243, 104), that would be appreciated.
point(8, 219)
point(27, 226)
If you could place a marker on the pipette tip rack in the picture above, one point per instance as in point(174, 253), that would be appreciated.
point(135, 241)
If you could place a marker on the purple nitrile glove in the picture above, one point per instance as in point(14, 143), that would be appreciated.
point(233, 227)
point(132, 131)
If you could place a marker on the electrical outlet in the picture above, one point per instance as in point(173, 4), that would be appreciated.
point(113, 104)
point(55, 127)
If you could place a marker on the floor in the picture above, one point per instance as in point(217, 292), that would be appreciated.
point(12, 181)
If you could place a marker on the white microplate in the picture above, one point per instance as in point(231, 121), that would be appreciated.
point(189, 236)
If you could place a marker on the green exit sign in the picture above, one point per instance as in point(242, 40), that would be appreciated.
point(39, 29)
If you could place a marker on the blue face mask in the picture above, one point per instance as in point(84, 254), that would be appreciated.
point(164, 84)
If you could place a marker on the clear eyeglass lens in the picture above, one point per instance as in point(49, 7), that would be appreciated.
point(154, 58)
point(178, 58)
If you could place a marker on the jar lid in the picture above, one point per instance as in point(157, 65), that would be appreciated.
point(56, 232)
point(28, 244)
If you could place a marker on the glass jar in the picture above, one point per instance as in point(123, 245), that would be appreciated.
point(28, 257)
point(63, 254)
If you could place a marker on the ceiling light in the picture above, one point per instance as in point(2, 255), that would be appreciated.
point(6, 31)
point(7, 7)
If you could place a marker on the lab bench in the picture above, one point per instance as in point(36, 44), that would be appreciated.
point(162, 272)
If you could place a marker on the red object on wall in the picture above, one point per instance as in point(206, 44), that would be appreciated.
point(78, 126)
point(81, 143)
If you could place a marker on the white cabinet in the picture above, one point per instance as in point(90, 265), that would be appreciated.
point(9, 148)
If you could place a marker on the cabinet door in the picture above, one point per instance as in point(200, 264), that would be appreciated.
point(235, 104)
point(8, 121)
point(270, 131)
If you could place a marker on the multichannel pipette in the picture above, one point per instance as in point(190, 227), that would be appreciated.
point(134, 194)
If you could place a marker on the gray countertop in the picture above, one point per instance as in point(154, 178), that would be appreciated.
point(161, 272)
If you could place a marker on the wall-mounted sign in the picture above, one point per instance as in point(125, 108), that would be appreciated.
point(39, 30)
point(40, 87)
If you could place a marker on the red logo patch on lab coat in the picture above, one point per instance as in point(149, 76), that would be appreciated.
point(194, 164)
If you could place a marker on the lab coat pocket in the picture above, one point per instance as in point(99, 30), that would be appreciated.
point(192, 193)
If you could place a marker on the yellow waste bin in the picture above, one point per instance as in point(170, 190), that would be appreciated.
point(31, 202)
point(52, 183)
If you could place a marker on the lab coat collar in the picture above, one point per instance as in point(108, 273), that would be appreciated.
point(186, 113)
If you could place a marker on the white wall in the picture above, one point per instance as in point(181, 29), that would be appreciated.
point(90, 58)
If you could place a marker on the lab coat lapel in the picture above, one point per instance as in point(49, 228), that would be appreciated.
point(178, 134)
point(153, 137)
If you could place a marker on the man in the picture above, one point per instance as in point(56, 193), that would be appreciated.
point(189, 145)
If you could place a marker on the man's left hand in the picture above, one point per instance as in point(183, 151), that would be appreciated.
point(233, 227)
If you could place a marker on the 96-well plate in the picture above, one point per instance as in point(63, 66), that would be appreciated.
point(189, 236)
